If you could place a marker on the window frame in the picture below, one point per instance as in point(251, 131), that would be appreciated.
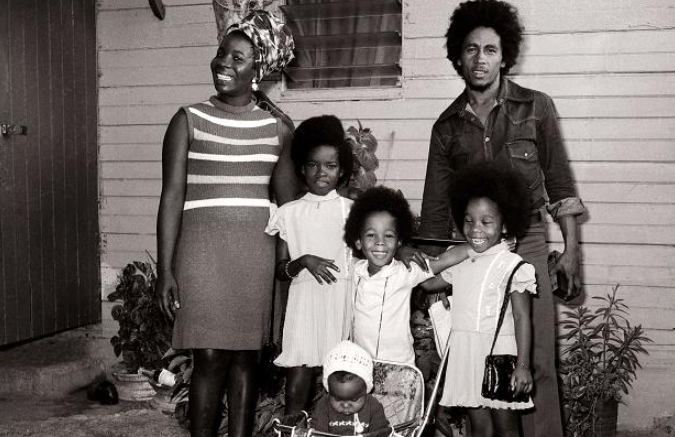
point(347, 93)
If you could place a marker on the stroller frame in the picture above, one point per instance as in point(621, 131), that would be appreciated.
point(411, 426)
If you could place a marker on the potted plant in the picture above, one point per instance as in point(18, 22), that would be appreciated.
point(144, 333)
point(172, 382)
point(598, 364)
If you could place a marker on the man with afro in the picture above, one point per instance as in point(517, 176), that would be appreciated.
point(496, 120)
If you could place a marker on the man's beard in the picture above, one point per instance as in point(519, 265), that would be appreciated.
point(479, 88)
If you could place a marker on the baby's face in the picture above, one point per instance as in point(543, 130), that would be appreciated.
point(347, 397)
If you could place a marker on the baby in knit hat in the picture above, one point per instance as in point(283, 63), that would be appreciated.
point(349, 408)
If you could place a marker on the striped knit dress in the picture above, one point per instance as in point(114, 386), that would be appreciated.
point(224, 261)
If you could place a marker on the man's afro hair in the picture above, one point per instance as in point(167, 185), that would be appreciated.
point(498, 15)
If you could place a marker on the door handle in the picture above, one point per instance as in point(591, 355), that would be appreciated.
point(13, 129)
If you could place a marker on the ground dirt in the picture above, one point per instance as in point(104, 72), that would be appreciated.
point(76, 416)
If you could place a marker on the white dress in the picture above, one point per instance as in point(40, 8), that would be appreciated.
point(316, 315)
point(382, 310)
point(478, 285)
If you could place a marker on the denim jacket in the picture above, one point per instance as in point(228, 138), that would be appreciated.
point(522, 133)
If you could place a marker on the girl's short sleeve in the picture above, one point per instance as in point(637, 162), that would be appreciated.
point(524, 279)
point(446, 274)
point(277, 222)
point(416, 275)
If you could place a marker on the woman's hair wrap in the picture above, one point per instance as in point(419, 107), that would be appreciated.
point(272, 39)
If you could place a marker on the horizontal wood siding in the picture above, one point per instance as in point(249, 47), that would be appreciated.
point(608, 65)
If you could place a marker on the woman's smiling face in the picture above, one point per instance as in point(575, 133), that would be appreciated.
point(233, 69)
point(483, 224)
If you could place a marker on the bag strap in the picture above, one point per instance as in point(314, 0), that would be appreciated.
point(379, 329)
point(507, 297)
point(351, 324)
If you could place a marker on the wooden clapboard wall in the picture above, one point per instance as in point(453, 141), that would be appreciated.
point(610, 66)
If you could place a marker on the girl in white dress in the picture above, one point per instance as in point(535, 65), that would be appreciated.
point(488, 205)
point(311, 254)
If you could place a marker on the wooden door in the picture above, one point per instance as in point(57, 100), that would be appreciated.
point(49, 261)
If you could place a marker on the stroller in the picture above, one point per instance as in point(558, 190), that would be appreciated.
point(399, 388)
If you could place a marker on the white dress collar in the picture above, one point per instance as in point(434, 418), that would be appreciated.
point(311, 197)
point(361, 269)
point(494, 250)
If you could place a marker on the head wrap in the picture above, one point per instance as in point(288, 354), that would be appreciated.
point(270, 36)
point(349, 357)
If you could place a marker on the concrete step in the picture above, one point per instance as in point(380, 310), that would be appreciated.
point(55, 366)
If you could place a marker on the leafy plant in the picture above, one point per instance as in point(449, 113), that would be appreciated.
point(364, 145)
point(599, 361)
point(179, 361)
point(181, 364)
point(144, 333)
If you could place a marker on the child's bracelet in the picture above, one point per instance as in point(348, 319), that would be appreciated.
point(289, 273)
point(524, 366)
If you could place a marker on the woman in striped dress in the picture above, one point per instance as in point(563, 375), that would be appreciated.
point(221, 160)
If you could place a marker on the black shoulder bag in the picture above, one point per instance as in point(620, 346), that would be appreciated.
point(499, 368)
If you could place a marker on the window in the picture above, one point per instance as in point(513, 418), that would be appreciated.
point(344, 43)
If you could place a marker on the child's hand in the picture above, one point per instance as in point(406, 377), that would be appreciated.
point(320, 268)
point(407, 255)
point(521, 380)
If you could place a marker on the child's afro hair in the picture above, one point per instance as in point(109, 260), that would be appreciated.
point(503, 186)
point(325, 130)
point(498, 15)
point(373, 200)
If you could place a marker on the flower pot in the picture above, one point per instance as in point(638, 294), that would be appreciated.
point(162, 399)
point(605, 418)
point(133, 387)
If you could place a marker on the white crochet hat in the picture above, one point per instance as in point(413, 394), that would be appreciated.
point(349, 357)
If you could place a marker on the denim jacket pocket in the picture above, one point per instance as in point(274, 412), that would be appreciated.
point(458, 153)
point(525, 160)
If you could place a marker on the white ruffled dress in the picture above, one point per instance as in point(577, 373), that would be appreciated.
point(317, 315)
point(478, 285)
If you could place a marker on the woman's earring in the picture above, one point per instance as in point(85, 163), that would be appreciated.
point(254, 85)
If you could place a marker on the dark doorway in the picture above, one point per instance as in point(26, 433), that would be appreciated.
point(49, 260)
